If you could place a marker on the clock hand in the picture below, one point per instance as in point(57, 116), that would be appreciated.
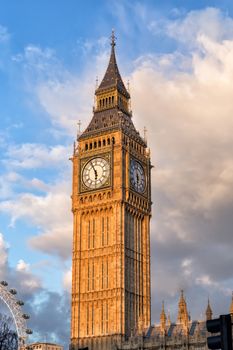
point(95, 171)
point(92, 166)
point(137, 179)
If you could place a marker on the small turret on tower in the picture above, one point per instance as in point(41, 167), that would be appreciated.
point(163, 320)
point(208, 312)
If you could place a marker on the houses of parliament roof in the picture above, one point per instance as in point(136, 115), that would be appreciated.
point(184, 333)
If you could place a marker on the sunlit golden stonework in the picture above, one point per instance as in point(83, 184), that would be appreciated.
point(111, 203)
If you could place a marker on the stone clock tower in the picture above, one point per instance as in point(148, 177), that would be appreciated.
point(111, 204)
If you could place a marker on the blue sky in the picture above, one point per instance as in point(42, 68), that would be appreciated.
point(178, 57)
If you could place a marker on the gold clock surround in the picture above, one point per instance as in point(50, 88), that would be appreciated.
point(84, 161)
point(144, 192)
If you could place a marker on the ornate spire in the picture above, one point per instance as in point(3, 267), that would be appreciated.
point(208, 312)
point(163, 319)
point(112, 77)
point(231, 306)
point(183, 316)
point(112, 109)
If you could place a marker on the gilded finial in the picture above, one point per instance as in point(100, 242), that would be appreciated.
point(96, 82)
point(113, 38)
point(208, 312)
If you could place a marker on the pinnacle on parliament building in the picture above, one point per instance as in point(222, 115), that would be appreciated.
point(111, 204)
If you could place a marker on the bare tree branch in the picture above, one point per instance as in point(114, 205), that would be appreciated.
point(8, 336)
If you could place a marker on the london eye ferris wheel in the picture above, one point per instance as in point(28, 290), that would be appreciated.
point(8, 297)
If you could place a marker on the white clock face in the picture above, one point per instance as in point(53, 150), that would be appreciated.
point(137, 176)
point(96, 173)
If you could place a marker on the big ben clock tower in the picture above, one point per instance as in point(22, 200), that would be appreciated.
point(111, 204)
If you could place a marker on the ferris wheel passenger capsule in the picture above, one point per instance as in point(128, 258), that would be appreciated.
point(13, 291)
point(20, 302)
point(4, 283)
point(26, 316)
point(29, 331)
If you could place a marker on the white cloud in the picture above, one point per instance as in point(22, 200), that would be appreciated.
point(37, 184)
point(50, 213)
point(37, 62)
point(55, 241)
point(31, 156)
point(205, 280)
point(211, 22)
point(187, 267)
point(22, 266)
point(63, 95)
point(6, 185)
point(11, 181)
point(68, 97)
point(20, 276)
point(4, 35)
point(66, 102)
point(3, 252)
